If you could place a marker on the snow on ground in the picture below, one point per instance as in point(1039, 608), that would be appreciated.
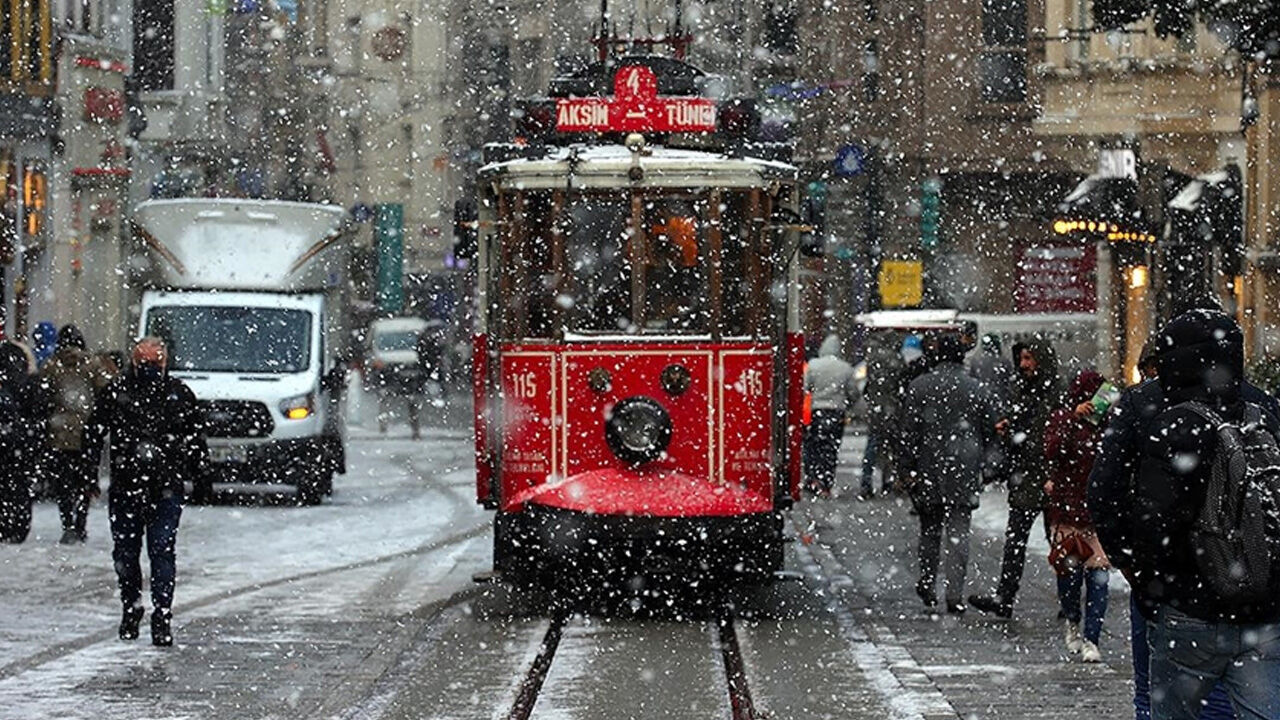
point(400, 495)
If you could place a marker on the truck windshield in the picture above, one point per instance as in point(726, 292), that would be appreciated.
point(233, 339)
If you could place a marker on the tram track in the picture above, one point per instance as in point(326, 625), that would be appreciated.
point(723, 634)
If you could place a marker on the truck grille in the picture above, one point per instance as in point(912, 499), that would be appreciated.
point(236, 418)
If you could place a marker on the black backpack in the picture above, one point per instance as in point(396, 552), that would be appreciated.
point(1236, 536)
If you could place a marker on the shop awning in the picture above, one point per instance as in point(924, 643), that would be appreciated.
point(1190, 198)
point(1102, 198)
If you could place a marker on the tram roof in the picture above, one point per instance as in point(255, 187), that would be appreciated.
point(608, 166)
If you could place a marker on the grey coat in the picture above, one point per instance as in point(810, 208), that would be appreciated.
point(948, 427)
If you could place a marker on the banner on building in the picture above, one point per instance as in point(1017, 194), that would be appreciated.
point(1057, 279)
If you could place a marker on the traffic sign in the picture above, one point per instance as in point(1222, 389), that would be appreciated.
point(850, 161)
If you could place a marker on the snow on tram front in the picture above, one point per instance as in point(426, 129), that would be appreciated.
point(637, 356)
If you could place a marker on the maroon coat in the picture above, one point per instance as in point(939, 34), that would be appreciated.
point(1070, 446)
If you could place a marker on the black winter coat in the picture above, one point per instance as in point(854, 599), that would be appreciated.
point(157, 439)
point(1149, 481)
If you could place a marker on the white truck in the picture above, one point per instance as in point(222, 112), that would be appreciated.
point(250, 296)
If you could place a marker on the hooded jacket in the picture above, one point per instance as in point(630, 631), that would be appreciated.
point(1033, 399)
point(1070, 446)
point(157, 439)
point(1201, 359)
point(948, 423)
point(19, 428)
point(68, 383)
point(830, 379)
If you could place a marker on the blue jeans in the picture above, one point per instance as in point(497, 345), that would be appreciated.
point(131, 518)
point(1095, 605)
point(1189, 656)
point(1216, 707)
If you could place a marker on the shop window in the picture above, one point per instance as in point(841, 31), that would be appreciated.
point(1002, 64)
point(153, 45)
point(780, 31)
point(871, 71)
point(1004, 76)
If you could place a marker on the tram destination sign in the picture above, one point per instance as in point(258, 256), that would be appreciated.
point(636, 107)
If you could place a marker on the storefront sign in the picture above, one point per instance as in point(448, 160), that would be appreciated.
point(636, 107)
point(1057, 279)
point(103, 105)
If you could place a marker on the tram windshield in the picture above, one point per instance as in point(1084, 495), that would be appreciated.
point(637, 263)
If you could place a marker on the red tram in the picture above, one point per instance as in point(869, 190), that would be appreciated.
point(637, 360)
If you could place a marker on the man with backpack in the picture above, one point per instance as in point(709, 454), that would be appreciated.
point(1189, 512)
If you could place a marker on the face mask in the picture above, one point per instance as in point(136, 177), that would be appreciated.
point(149, 372)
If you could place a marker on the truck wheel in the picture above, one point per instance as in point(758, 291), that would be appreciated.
point(202, 492)
point(310, 487)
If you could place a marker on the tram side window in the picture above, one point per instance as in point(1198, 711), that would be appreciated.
point(736, 287)
point(677, 297)
point(596, 238)
point(530, 292)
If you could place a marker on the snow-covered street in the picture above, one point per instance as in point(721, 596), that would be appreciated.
point(364, 608)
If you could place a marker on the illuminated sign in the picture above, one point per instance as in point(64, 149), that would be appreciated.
point(1112, 231)
point(636, 107)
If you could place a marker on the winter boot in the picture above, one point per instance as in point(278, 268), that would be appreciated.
point(926, 595)
point(1090, 653)
point(991, 605)
point(161, 630)
point(129, 622)
point(1071, 636)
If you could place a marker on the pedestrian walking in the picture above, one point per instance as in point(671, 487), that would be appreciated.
point(67, 386)
point(19, 426)
point(1111, 497)
point(948, 422)
point(156, 444)
point(884, 365)
point(1037, 392)
point(831, 383)
point(1070, 446)
point(988, 366)
point(1153, 492)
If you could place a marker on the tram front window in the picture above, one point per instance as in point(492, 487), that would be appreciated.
point(596, 245)
point(676, 292)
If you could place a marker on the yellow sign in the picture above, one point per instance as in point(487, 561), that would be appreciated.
point(901, 283)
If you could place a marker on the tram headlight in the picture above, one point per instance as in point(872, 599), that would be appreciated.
point(638, 430)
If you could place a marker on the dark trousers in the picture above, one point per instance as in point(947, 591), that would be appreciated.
point(1216, 707)
point(822, 446)
point(955, 521)
point(876, 445)
point(72, 480)
point(131, 519)
point(1016, 534)
point(15, 500)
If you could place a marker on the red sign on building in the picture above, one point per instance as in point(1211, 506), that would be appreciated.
point(103, 105)
point(636, 107)
point(1057, 279)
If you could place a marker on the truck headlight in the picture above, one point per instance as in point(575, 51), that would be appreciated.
point(298, 408)
point(638, 430)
